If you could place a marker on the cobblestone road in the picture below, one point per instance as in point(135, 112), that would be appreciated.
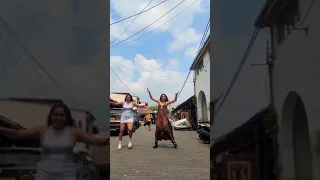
point(189, 161)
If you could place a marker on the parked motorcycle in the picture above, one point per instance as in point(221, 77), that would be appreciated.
point(204, 132)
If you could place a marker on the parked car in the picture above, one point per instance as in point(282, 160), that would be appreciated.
point(204, 131)
point(137, 123)
point(115, 116)
point(19, 163)
point(181, 124)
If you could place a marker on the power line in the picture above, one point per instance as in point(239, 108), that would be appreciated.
point(184, 83)
point(16, 61)
point(158, 26)
point(130, 23)
point(114, 80)
point(204, 36)
point(40, 66)
point(307, 13)
point(120, 79)
point(138, 13)
point(149, 24)
point(244, 58)
point(31, 56)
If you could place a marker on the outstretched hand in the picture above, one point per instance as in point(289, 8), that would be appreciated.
point(177, 93)
point(148, 90)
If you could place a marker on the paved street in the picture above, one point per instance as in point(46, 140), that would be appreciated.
point(189, 161)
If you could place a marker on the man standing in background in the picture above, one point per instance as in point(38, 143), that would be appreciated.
point(148, 121)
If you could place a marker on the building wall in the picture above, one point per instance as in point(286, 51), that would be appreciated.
point(201, 84)
point(30, 115)
point(296, 69)
point(231, 29)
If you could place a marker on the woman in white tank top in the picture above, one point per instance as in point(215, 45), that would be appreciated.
point(127, 118)
point(58, 138)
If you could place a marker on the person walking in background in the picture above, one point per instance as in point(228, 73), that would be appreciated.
point(148, 121)
point(163, 126)
point(145, 122)
point(58, 139)
point(127, 118)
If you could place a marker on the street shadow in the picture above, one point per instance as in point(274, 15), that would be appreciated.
point(165, 145)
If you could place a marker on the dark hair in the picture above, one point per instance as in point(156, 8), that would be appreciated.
point(131, 99)
point(69, 120)
point(166, 97)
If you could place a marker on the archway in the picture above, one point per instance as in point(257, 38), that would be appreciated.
point(294, 139)
point(203, 105)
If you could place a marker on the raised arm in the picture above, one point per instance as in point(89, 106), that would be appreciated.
point(82, 136)
point(175, 99)
point(22, 134)
point(153, 99)
point(116, 103)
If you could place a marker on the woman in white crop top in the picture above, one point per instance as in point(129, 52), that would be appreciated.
point(127, 118)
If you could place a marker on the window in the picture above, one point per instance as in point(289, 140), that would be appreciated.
point(287, 21)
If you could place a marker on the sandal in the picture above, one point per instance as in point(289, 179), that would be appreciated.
point(175, 145)
point(155, 145)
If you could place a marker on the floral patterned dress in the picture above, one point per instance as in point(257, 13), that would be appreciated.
point(163, 126)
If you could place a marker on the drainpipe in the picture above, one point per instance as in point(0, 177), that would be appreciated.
point(194, 92)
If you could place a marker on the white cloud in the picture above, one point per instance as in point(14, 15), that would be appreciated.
point(192, 51)
point(150, 73)
point(184, 38)
point(177, 28)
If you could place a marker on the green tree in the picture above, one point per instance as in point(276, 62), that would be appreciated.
point(153, 108)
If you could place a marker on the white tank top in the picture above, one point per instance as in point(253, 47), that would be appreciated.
point(127, 110)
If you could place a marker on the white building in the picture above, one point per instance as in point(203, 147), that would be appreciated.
point(295, 38)
point(201, 68)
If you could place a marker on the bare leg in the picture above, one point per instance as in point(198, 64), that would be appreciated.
point(130, 129)
point(122, 128)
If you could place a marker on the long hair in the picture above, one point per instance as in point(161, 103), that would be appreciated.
point(69, 120)
point(131, 99)
point(164, 95)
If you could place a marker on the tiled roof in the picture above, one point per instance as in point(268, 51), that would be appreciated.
point(144, 110)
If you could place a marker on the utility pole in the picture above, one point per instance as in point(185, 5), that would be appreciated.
point(270, 63)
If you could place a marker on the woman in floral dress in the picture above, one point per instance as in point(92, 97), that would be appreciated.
point(163, 126)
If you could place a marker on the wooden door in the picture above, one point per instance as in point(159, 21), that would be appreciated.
point(239, 170)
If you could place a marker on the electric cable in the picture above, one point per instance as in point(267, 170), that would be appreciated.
point(26, 51)
point(130, 23)
point(157, 27)
point(138, 13)
point(120, 79)
point(235, 77)
point(149, 24)
point(203, 36)
point(184, 83)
